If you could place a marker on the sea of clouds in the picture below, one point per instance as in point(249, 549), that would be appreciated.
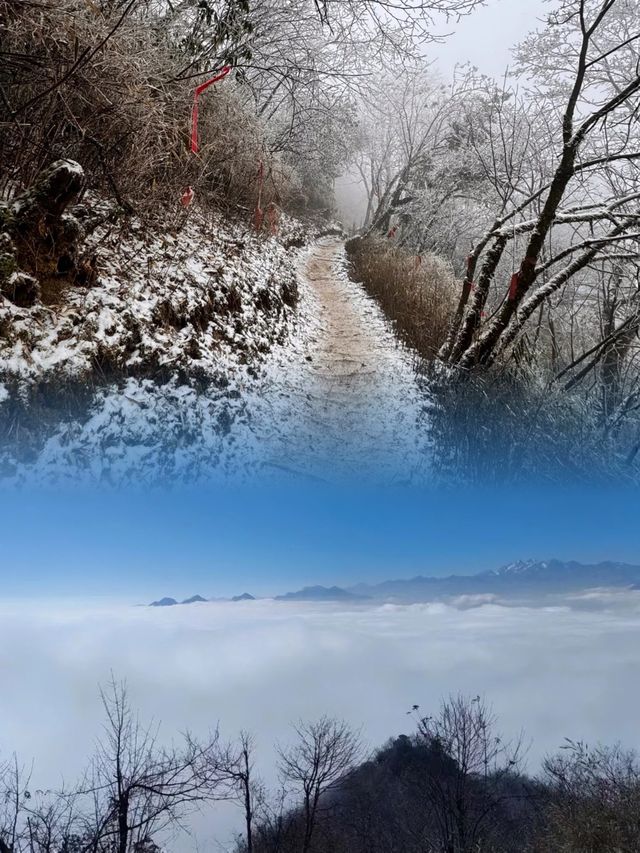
point(568, 670)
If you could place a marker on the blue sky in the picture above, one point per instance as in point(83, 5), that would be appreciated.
point(135, 545)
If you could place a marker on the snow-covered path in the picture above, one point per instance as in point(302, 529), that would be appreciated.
point(337, 401)
point(342, 390)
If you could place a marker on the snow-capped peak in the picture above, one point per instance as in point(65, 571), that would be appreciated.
point(520, 567)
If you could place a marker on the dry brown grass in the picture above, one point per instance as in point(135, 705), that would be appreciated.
point(416, 292)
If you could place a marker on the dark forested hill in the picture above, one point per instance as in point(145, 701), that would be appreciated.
point(455, 786)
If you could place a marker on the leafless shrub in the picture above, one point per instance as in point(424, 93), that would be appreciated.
point(95, 83)
point(321, 757)
point(593, 800)
point(504, 427)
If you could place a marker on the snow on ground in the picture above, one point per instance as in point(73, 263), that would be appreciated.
point(192, 297)
point(336, 397)
point(344, 389)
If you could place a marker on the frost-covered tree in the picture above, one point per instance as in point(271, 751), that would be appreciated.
point(583, 79)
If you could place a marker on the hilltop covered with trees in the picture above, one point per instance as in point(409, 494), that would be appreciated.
point(454, 785)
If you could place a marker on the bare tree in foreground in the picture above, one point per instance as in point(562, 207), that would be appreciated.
point(464, 790)
point(140, 789)
point(323, 754)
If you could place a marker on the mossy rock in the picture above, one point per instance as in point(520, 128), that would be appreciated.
point(53, 191)
point(46, 236)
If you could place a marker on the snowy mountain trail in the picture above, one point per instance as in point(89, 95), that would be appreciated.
point(337, 399)
point(343, 389)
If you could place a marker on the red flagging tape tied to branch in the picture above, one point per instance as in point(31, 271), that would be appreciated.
point(259, 212)
point(194, 112)
point(513, 286)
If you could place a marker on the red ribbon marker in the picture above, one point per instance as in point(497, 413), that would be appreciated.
point(194, 112)
point(273, 218)
point(187, 197)
point(513, 286)
point(259, 212)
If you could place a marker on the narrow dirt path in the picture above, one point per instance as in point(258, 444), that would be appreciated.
point(344, 388)
point(353, 349)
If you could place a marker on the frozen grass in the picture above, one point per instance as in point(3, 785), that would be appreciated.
point(416, 292)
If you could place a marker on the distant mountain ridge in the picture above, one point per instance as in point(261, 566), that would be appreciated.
point(517, 578)
point(167, 601)
point(171, 602)
point(522, 577)
point(320, 593)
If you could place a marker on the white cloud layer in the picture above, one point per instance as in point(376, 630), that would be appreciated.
point(559, 671)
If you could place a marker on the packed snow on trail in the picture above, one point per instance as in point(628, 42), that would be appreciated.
point(245, 385)
point(343, 390)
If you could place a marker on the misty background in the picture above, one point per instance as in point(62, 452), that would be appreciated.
point(484, 40)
